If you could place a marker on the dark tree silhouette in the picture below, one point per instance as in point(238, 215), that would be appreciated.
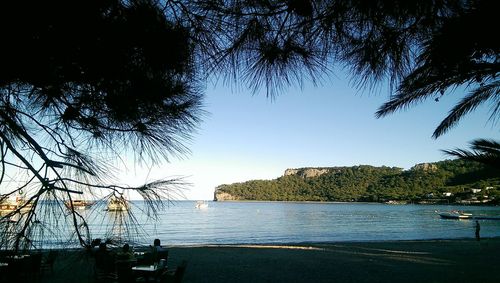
point(457, 53)
point(422, 47)
point(426, 49)
point(80, 83)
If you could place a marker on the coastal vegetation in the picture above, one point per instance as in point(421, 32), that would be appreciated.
point(444, 181)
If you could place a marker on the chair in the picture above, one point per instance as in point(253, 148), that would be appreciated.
point(35, 262)
point(48, 262)
point(174, 277)
point(146, 259)
point(124, 271)
point(105, 267)
point(20, 270)
point(161, 254)
point(3, 272)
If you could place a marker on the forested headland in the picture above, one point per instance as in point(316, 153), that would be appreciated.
point(449, 181)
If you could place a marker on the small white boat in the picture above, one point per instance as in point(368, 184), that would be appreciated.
point(455, 215)
point(201, 204)
point(118, 204)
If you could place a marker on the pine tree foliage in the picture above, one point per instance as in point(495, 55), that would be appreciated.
point(83, 83)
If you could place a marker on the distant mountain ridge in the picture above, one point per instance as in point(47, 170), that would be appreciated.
point(444, 181)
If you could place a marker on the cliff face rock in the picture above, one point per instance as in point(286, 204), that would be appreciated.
point(289, 172)
point(222, 196)
point(306, 172)
point(426, 167)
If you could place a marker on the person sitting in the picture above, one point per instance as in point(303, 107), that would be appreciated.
point(126, 254)
point(101, 255)
point(95, 242)
point(158, 251)
point(125, 259)
point(105, 264)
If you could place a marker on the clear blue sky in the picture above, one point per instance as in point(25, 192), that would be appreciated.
point(248, 136)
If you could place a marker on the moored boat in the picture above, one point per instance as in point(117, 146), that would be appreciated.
point(78, 204)
point(118, 204)
point(10, 205)
point(455, 215)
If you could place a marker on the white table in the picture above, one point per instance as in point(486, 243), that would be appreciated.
point(145, 268)
point(148, 271)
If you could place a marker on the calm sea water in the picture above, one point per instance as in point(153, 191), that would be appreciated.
point(275, 222)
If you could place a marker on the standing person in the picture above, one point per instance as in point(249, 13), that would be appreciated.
point(157, 244)
point(478, 228)
point(155, 249)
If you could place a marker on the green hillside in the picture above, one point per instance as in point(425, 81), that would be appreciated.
point(429, 182)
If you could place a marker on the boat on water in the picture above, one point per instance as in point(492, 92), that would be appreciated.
point(118, 204)
point(79, 204)
point(455, 214)
point(201, 204)
point(17, 204)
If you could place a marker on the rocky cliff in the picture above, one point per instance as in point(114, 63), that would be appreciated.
point(426, 167)
point(306, 172)
point(223, 196)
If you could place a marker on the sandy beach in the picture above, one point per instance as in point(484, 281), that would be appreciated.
point(464, 260)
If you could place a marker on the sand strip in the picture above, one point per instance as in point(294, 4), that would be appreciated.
point(454, 261)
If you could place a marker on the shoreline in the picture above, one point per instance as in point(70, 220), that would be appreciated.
point(280, 244)
point(243, 244)
point(357, 202)
point(443, 260)
point(140, 247)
